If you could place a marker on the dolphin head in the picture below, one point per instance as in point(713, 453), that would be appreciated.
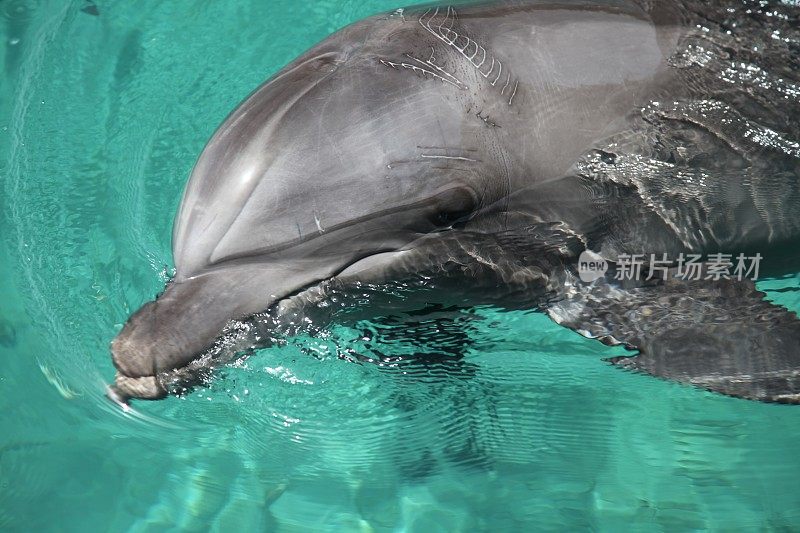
point(354, 151)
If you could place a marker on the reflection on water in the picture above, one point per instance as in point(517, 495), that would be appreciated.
point(453, 418)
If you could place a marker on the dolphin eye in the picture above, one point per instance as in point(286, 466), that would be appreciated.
point(453, 206)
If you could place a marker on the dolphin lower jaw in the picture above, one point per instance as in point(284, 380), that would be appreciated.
point(143, 388)
point(166, 338)
point(169, 334)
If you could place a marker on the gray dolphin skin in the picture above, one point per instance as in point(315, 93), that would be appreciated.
point(491, 144)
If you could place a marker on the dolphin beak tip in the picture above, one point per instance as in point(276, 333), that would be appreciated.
point(125, 388)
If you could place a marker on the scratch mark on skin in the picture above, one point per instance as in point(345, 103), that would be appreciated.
point(457, 148)
point(452, 168)
point(472, 57)
point(491, 68)
point(508, 80)
point(513, 94)
point(425, 70)
point(499, 73)
point(459, 158)
point(319, 224)
point(479, 65)
point(452, 21)
point(450, 37)
point(431, 62)
point(400, 162)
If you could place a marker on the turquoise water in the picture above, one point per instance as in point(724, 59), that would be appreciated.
point(101, 119)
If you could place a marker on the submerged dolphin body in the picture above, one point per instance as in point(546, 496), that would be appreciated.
point(498, 141)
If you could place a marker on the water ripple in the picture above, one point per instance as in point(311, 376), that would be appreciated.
point(454, 418)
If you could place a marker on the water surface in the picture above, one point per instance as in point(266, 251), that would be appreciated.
point(103, 110)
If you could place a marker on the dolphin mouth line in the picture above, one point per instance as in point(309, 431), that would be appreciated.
point(348, 276)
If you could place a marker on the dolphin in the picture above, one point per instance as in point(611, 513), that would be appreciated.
point(493, 144)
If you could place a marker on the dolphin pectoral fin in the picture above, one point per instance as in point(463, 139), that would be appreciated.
point(719, 335)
